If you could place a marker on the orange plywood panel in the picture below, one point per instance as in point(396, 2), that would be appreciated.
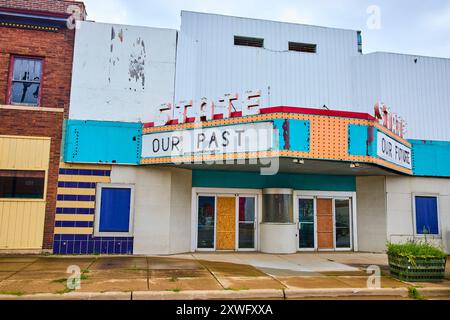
point(325, 223)
point(226, 223)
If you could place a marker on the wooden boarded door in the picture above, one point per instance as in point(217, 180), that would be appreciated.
point(325, 224)
point(226, 223)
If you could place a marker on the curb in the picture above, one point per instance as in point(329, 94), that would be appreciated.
point(345, 292)
point(262, 294)
point(434, 292)
point(210, 295)
point(72, 296)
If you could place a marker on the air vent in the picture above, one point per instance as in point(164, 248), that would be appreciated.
point(248, 42)
point(302, 47)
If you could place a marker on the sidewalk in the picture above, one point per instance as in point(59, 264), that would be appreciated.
point(206, 276)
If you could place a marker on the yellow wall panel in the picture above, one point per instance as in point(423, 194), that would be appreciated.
point(76, 191)
point(74, 230)
point(24, 153)
point(66, 165)
point(75, 217)
point(76, 204)
point(21, 224)
point(22, 220)
point(75, 178)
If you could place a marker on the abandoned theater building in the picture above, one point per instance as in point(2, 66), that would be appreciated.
point(230, 134)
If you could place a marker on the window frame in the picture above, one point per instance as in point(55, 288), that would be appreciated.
point(98, 201)
point(12, 59)
point(414, 213)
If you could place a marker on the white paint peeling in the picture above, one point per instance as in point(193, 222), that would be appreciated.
point(121, 73)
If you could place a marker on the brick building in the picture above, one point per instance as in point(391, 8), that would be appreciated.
point(36, 54)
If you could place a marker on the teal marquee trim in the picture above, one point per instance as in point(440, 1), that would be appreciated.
point(431, 158)
point(102, 142)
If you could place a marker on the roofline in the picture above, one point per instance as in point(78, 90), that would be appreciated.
point(405, 54)
point(129, 25)
point(268, 20)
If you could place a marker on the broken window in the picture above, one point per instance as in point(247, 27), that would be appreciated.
point(302, 47)
point(25, 81)
point(248, 42)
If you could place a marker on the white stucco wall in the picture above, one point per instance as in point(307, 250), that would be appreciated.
point(162, 208)
point(399, 209)
point(371, 213)
point(121, 73)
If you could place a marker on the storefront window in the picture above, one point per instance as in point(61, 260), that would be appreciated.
point(277, 208)
point(16, 184)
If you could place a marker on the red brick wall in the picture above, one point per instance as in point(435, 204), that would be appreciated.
point(57, 6)
point(57, 50)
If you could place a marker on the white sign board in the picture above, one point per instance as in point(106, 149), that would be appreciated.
point(393, 151)
point(204, 141)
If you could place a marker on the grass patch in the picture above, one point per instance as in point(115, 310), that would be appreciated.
point(174, 290)
point(62, 280)
point(13, 293)
point(414, 294)
point(64, 291)
point(84, 276)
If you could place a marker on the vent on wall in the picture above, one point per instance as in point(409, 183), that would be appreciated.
point(248, 42)
point(303, 47)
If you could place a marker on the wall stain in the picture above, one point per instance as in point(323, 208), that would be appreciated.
point(137, 63)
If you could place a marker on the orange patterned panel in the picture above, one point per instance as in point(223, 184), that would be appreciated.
point(226, 223)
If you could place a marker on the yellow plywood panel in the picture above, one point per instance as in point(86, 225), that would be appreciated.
point(24, 153)
point(76, 204)
point(76, 191)
point(226, 223)
point(74, 230)
point(21, 224)
point(75, 178)
point(74, 217)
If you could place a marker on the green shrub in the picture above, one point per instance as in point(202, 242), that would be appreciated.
point(415, 250)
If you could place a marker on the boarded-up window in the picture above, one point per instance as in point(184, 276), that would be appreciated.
point(303, 47)
point(22, 184)
point(248, 42)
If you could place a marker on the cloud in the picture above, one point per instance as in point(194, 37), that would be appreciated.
point(112, 11)
point(439, 20)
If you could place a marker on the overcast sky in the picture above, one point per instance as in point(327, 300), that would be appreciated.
point(414, 26)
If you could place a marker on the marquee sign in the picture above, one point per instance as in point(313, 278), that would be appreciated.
point(390, 120)
point(206, 109)
point(252, 137)
point(393, 151)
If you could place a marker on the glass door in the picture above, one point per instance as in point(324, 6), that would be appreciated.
point(206, 222)
point(306, 224)
point(343, 229)
point(246, 223)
